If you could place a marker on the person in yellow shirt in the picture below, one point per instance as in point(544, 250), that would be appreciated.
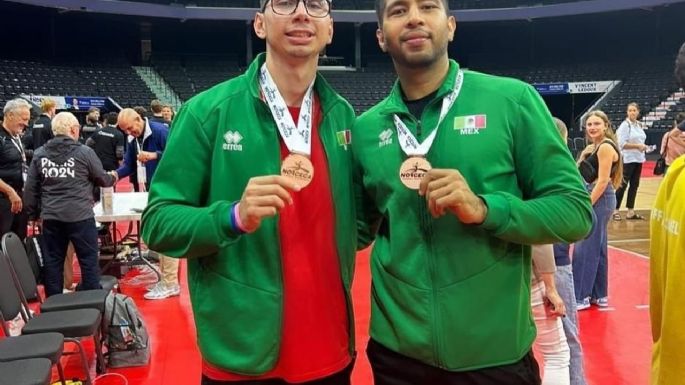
point(667, 269)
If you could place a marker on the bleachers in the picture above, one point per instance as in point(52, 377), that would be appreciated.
point(365, 4)
point(115, 79)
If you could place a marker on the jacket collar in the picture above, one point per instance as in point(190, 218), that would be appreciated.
point(327, 97)
point(394, 103)
point(146, 133)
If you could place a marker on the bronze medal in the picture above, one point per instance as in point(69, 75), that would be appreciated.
point(413, 170)
point(298, 168)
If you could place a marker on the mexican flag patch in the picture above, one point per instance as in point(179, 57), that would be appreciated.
point(470, 122)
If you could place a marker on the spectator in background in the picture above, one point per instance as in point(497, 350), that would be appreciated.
point(13, 167)
point(590, 256)
point(157, 108)
point(631, 140)
point(564, 283)
point(108, 143)
point(168, 114)
point(667, 268)
point(59, 190)
point(142, 112)
point(42, 128)
point(673, 142)
point(92, 124)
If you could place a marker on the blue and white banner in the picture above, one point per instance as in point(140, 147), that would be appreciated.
point(551, 88)
point(60, 103)
point(84, 103)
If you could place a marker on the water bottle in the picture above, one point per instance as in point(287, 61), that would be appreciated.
point(107, 199)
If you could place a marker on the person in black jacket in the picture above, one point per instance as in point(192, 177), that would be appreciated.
point(59, 190)
point(13, 167)
point(92, 124)
point(42, 128)
point(108, 143)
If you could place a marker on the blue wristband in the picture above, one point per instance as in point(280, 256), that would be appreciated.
point(234, 219)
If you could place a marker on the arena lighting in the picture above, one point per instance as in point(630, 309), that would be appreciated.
point(348, 16)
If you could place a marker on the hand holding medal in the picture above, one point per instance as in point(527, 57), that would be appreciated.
point(263, 197)
point(448, 190)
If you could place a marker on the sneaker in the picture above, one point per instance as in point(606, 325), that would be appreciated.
point(583, 305)
point(153, 286)
point(162, 292)
point(602, 302)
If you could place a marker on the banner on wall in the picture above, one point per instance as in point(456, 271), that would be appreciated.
point(551, 88)
point(84, 103)
point(60, 103)
point(589, 87)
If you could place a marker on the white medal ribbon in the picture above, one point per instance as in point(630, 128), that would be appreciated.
point(408, 142)
point(296, 138)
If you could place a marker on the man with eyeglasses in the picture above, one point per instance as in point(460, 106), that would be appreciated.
point(262, 211)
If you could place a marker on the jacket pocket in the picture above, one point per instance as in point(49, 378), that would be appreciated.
point(400, 315)
point(486, 320)
point(238, 326)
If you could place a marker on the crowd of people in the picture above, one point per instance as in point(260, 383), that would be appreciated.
point(461, 181)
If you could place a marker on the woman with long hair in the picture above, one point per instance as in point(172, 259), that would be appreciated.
point(601, 167)
point(631, 140)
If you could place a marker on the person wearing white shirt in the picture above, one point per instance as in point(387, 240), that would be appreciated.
point(631, 140)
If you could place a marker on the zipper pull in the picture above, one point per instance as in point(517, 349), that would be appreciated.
point(418, 129)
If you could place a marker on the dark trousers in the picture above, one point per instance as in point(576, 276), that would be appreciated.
point(631, 175)
point(15, 223)
point(340, 378)
point(391, 368)
point(56, 237)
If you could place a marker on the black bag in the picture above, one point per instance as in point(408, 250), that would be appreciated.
point(660, 166)
point(588, 171)
point(34, 251)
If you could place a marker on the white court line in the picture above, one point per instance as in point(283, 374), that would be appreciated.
point(629, 240)
point(642, 307)
point(634, 254)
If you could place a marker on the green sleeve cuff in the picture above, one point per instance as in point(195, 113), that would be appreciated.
point(222, 215)
point(499, 210)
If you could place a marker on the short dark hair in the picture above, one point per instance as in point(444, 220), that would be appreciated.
point(111, 118)
point(680, 66)
point(156, 106)
point(680, 118)
point(141, 111)
point(380, 9)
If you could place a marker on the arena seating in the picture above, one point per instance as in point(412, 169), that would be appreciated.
point(111, 78)
point(365, 4)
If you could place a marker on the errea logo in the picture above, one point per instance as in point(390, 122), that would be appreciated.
point(385, 138)
point(233, 139)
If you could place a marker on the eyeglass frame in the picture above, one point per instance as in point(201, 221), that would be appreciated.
point(306, 8)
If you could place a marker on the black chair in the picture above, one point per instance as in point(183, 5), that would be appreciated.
point(34, 371)
point(23, 278)
point(46, 345)
point(72, 324)
point(579, 143)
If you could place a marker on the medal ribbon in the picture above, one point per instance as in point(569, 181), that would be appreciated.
point(296, 138)
point(408, 142)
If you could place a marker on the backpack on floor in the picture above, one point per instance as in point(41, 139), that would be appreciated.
point(125, 334)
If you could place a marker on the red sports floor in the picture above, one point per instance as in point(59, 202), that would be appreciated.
point(616, 341)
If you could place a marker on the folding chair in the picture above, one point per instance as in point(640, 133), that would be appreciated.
point(72, 324)
point(24, 279)
point(34, 371)
point(45, 345)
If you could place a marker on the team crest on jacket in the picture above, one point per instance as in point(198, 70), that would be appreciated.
point(232, 139)
point(385, 138)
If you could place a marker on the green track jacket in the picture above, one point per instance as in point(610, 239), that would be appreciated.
point(220, 139)
point(451, 295)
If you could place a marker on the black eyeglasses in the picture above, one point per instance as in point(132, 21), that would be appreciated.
point(314, 8)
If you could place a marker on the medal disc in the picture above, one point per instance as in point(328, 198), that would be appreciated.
point(413, 170)
point(298, 168)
